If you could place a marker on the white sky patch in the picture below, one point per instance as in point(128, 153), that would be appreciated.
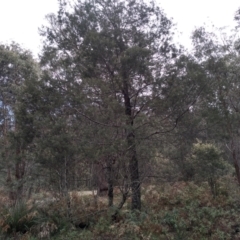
point(20, 19)
point(189, 14)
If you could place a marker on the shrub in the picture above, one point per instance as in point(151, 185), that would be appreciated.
point(208, 164)
point(18, 218)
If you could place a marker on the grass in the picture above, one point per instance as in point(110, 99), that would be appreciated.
point(17, 219)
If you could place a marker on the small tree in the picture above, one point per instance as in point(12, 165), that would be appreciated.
point(208, 164)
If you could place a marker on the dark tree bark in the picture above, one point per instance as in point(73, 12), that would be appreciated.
point(110, 181)
point(235, 157)
point(19, 174)
point(133, 161)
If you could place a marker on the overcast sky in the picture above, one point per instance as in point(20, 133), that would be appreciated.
point(20, 19)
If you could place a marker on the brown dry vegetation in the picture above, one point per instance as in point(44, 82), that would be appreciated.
point(182, 210)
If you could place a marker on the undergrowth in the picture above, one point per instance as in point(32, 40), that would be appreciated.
point(182, 210)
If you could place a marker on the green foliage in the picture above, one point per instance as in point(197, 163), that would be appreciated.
point(18, 70)
point(187, 211)
point(208, 164)
point(107, 73)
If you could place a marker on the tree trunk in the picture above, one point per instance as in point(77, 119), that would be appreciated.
point(110, 181)
point(11, 194)
point(134, 174)
point(236, 164)
point(19, 174)
point(100, 178)
point(133, 161)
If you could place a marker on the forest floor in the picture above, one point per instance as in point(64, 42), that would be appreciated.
point(180, 210)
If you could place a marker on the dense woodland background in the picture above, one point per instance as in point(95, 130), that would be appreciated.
point(114, 105)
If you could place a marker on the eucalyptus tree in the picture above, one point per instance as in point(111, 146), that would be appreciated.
point(55, 138)
point(114, 62)
point(220, 61)
point(185, 85)
point(17, 69)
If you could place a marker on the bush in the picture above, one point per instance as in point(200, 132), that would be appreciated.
point(208, 164)
point(17, 219)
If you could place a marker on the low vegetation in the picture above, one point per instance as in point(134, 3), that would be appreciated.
point(180, 210)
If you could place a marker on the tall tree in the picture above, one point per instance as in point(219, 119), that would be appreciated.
point(113, 60)
point(17, 69)
point(220, 61)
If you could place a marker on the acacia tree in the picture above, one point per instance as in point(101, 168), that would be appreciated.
point(114, 62)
